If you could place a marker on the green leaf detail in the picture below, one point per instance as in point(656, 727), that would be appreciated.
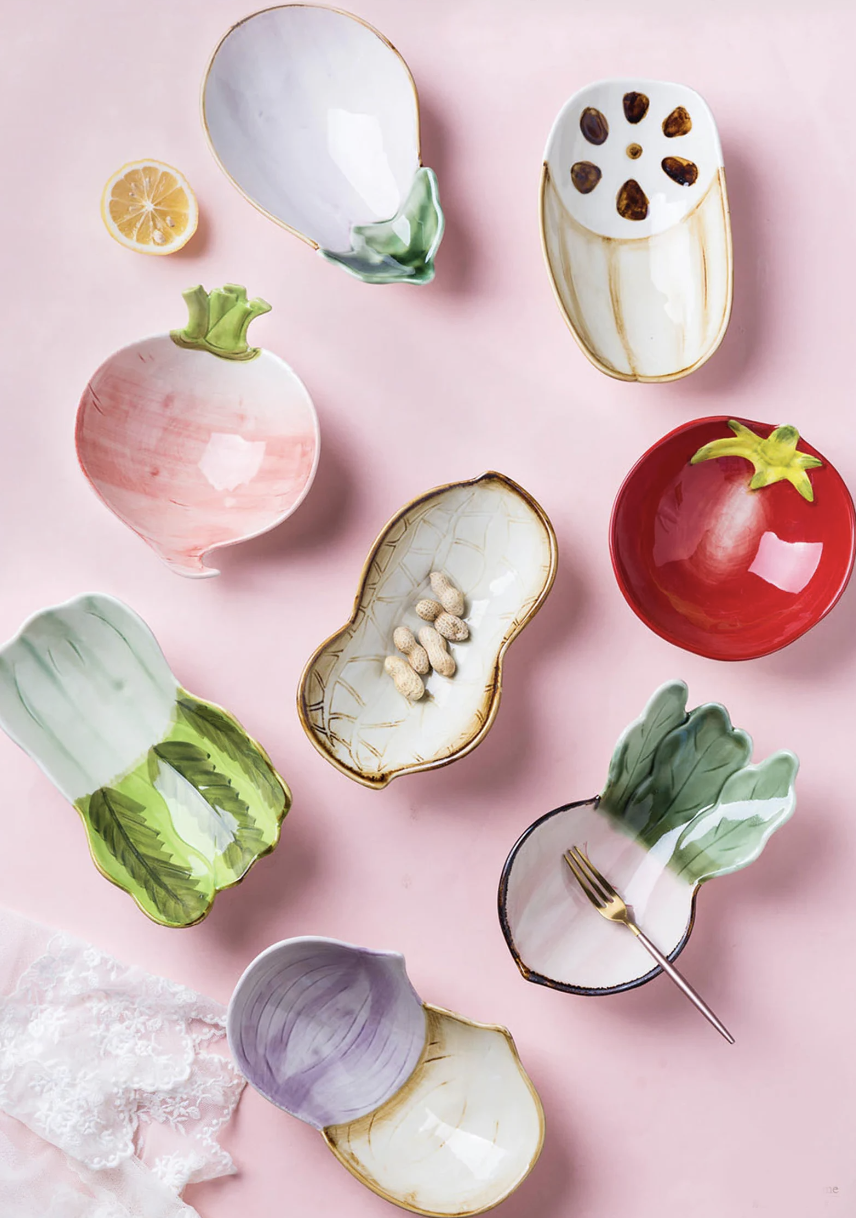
point(223, 733)
point(690, 768)
point(218, 321)
point(753, 803)
point(138, 848)
point(401, 249)
point(229, 816)
point(775, 459)
point(683, 784)
point(634, 753)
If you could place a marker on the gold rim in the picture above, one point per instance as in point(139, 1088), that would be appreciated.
point(272, 9)
point(587, 352)
point(539, 1108)
point(382, 780)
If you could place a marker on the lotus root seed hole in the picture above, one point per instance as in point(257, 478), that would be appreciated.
point(685, 173)
point(585, 176)
point(594, 125)
point(635, 107)
point(634, 151)
point(632, 203)
point(677, 123)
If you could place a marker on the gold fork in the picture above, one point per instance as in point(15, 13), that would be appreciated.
point(609, 905)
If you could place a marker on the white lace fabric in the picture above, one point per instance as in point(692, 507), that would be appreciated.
point(120, 1075)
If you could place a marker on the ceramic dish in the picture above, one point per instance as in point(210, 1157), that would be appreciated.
point(731, 539)
point(177, 801)
point(635, 227)
point(681, 804)
point(429, 1110)
point(497, 545)
point(314, 117)
point(195, 439)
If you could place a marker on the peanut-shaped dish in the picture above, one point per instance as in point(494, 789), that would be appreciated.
point(471, 532)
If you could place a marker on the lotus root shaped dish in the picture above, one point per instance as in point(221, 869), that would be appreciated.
point(636, 229)
point(682, 804)
point(497, 546)
point(731, 538)
point(177, 800)
point(195, 439)
point(432, 1111)
point(314, 116)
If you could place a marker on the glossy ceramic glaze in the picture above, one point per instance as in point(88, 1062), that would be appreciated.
point(498, 547)
point(681, 804)
point(433, 1112)
point(719, 568)
point(194, 449)
point(635, 227)
point(177, 801)
point(313, 115)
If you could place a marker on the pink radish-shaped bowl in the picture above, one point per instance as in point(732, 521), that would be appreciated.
point(195, 439)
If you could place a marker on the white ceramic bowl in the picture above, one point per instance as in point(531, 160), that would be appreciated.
point(498, 547)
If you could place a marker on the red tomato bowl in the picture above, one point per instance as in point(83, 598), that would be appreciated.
point(717, 567)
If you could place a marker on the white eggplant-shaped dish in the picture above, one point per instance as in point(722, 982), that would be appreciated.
point(432, 1111)
point(636, 229)
point(314, 116)
point(681, 804)
point(498, 547)
point(177, 800)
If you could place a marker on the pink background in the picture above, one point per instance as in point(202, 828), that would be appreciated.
point(416, 387)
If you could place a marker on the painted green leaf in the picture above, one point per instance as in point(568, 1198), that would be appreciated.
point(192, 816)
point(690, 768)
point(162, 881)
point(401, 249)
point(683, 784)
point(634, 753)
point(221, 816)
point(224, 734)
point(754, 802)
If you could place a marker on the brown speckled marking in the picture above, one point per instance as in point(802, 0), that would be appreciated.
point(579, 329)
point(594, 125)
point(632, 202)
point(677, 123)
point(685, 173)
point(700, 238)
point(635, 107)
point(564, 288)
point(634, 151)
point(612, 254)
point(585, 176)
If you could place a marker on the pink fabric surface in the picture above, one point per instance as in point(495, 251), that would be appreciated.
point(417, 387)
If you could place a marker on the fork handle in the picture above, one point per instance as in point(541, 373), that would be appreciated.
point(680, 982)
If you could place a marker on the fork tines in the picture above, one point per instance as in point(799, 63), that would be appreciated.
point(598, 889)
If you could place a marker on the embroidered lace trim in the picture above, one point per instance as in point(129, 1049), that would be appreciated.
point(110, 1063)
